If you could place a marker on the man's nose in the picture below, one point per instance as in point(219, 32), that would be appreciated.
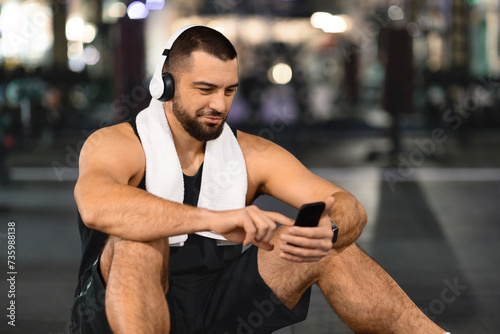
point(218, 102)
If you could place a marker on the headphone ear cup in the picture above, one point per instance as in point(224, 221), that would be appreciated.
point(169, 87)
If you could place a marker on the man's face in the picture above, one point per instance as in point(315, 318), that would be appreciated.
point(203, 95)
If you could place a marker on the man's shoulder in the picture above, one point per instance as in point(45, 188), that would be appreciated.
point(116, 150)
point(261, 151)
point(271, 169)
point(115, 136)
point(252, 144)
point(121, 131)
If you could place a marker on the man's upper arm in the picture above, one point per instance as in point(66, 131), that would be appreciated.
point(276, 172)
point(109, 156)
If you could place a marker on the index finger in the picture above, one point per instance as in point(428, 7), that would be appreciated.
point(279, 218)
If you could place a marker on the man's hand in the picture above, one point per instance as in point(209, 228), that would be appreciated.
point(309, 244)
point(249, 225)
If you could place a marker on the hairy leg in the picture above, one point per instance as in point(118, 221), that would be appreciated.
point(136, 280)
point(367, 298)
point(359, 290)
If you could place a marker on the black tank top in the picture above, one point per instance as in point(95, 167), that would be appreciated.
point(198, 255)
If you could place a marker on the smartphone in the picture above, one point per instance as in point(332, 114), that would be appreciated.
point(309, 214)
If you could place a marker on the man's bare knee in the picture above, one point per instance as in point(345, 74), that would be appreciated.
point(143, 258)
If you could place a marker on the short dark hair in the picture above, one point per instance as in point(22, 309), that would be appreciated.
point(198, 38)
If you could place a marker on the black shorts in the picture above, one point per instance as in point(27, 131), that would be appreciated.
point(233, 300)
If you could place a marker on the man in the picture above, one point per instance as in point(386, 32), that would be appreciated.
point(139, 272)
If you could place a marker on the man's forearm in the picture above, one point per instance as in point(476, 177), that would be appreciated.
point(349, 216)
point(135, 214)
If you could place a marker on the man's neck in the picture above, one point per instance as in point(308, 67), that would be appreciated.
point(190, 151)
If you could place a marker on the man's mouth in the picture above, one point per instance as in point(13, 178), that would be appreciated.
point(213, 119)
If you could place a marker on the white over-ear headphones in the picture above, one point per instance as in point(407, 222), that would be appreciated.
point(162, 84)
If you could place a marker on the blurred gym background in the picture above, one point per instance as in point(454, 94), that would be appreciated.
point(395, 100)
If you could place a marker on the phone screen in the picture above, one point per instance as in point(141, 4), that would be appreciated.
point(309, 214)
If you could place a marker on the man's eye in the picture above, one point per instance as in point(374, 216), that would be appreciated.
point(230, 91)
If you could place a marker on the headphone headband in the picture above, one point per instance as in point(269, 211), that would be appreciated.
point(157, 85)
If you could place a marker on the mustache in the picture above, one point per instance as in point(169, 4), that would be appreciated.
point(210, 113)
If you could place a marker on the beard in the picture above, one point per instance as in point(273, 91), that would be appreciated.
point(196, 128)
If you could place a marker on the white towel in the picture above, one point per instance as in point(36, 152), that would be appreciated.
point(224, 176)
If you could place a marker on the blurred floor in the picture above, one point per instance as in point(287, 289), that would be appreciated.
point(433, 226)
